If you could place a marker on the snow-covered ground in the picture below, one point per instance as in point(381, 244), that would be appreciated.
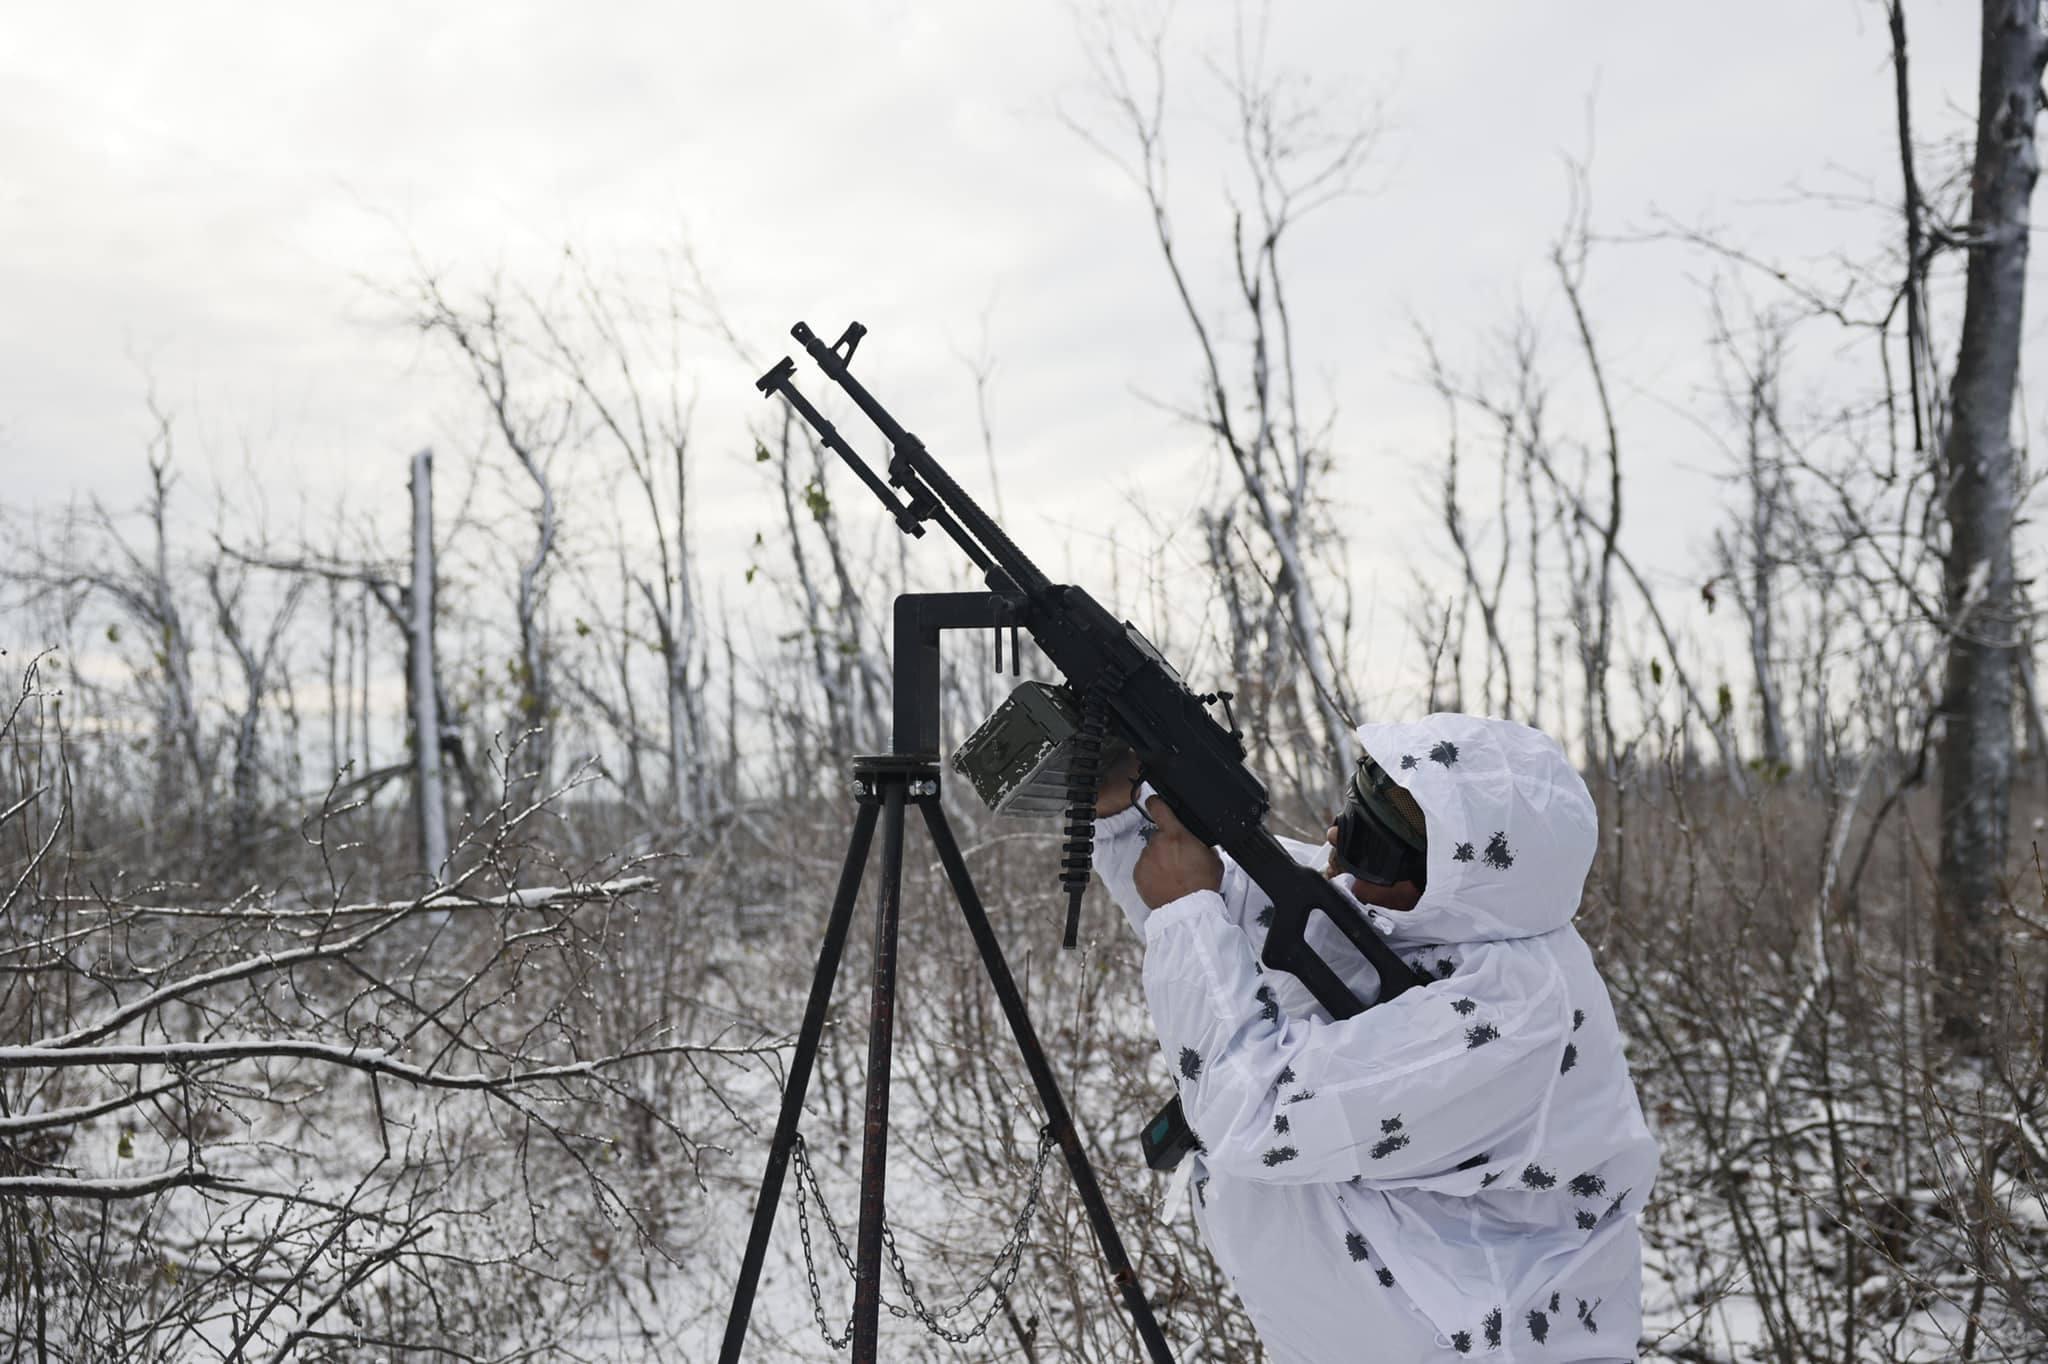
point(1835, 1186)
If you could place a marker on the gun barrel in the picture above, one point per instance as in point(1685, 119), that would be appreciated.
point(913, 466)
point(778, 380)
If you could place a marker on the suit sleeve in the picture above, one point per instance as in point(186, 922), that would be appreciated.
point(1439, 1088)
point(1119, 839)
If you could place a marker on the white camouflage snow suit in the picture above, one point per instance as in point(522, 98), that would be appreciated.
point(1454, 1173)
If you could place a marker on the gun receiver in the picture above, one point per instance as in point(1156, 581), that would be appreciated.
point(1193, 761)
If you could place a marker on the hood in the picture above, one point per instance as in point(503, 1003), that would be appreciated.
point(1512, 828)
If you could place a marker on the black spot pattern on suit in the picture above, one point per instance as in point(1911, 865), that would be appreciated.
point(1492, 1328)
point(1301, 1094)
point(1553, 1302)
point(1571, 1058)
point(1445, 753)
point(1279, 1155)
point(1464, 1006)
point(1539, 1326)
point(1486, 1181)
point(1392, 1138)
point(1445, 968)
point(1280, 1123)
point(1286, 1076)
point(1479, 1034)
point(1266, 917)
point(1587, 1221)
point(1461, 1341)
point(1586, 1315)
point(1536, 1177)
point(1497, 854)
point(1462, 853)
point(1355, 1243)
point(1407, 761)
point(1386, 1276)
point(1190, 1062)
point(1588, 1185)
point(1269, 1007)
point(1475, 1162)
point(1578, 1019)
point(1202, 1191)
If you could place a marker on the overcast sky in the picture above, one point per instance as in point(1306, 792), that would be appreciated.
point(216, 196)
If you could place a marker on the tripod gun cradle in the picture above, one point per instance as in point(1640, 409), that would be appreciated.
point(1124, 686)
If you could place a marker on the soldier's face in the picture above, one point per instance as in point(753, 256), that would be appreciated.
point(1400, 895)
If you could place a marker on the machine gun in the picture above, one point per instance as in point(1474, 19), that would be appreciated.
point(1194, 762)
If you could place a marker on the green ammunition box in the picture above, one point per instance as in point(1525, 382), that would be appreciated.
point(1019, 758)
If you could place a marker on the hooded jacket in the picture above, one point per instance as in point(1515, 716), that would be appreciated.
point(1456, 1172)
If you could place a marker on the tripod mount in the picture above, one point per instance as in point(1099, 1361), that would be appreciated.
point(884, 787)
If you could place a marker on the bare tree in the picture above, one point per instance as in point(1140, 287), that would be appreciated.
point(1293, 163)
point(258, 662)
point(1485, 593)
point(238, 1132)
point(603, 347)
point(531, 434)
point(411, 605)
point(142, 581)
point(1981, 484)
point(1752, 558)
point(1568, 257)
point(835, 590)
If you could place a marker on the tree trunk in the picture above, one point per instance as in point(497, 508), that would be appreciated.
point(1766, 502)
point(681, 645)
point(1976, 745)
point(429, 792)
point(180, 726)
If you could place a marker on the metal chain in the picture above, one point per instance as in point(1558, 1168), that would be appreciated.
point(1009, 1257)
point(803, 1227)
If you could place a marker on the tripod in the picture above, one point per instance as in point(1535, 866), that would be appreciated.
point(884, 786)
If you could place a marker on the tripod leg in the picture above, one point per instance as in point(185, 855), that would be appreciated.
point(799, 1080)
point(867, 1280)
point(1048, 1087)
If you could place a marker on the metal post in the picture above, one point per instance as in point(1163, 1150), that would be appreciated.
point(426, 713)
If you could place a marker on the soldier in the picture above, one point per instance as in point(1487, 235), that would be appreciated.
point(1459, 1169)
